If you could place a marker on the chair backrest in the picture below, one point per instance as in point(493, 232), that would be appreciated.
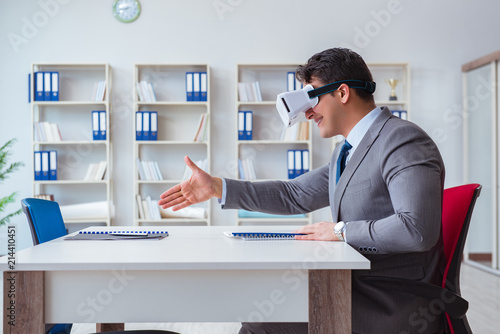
point(44, 218)
point(458, 204)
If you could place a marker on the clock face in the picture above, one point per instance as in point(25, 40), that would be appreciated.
point(126, 10)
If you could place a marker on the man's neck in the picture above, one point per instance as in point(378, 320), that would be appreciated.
point(355, 113)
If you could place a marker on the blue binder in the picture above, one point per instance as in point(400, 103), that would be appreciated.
point(102, 125)
point(38, 86)
point(47, 86)
point(153, 131)
point(196, 86)
point(248, 125)
point(38, 165)
point(241, 125)
point(146, 122)
point(95, 125)
point(291, 164)
point(305, 161)
point(203, 86)
point(45, 165)
point(53, 165)
point(189, 86)
point(298, 163)
point(138, 126)
point(54, 86)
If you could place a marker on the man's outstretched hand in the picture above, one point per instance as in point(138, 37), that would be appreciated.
point(200, 187)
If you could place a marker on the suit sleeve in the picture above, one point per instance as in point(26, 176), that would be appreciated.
point(303, 194)
point(412, 170)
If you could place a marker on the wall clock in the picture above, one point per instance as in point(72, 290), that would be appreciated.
point(126, 10)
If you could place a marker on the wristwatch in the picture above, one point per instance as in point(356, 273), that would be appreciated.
point(339, 230)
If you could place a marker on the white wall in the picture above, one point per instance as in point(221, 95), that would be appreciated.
point(436, 37)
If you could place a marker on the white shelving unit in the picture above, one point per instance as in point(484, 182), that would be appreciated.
point(266, 149)
point(73, 115)
point(381, 72)
point(177, 125)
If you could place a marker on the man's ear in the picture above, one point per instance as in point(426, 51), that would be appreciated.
point(345, 93)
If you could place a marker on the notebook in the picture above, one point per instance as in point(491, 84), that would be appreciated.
point(117, 235)
point(262, 235)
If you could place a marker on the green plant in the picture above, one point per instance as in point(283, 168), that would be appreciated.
point(5, 170)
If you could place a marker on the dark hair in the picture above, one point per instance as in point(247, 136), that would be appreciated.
point(334, 65)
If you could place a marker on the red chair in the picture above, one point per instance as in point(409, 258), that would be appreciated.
point(458, 204)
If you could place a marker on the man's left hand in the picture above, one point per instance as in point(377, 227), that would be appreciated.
point(318, 231)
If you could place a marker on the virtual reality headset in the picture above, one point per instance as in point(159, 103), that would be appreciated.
point(293, 105)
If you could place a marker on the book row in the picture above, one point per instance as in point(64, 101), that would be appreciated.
point(148, 170)
point(45, 163)
point(96, 171)
point(146, 125)
point(298, 163)
point(249, 91)
point(47, 132)
point(196, 86)
point(245, 125)
point(145, 91)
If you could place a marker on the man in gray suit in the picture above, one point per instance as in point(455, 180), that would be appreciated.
point(386, 204)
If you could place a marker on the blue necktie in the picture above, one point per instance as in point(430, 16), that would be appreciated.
point(344, 151)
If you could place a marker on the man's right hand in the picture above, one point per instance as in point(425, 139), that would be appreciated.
point(200, 187)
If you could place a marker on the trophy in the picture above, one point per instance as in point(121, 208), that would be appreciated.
point(393, 83)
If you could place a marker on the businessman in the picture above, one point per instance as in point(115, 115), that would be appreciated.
point(384, 185)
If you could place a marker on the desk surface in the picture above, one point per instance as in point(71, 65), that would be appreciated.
point(189, 248)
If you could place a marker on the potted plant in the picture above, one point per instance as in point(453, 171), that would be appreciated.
point(5, 170)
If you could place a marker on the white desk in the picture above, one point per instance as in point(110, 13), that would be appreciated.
point(195, 274)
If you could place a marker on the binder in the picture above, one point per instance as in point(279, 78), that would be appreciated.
point(196, 86)
point(38, 165)
point(305, 161)
point(298, 84)
point(145, 125)
point(262, 235)
point(53, 165)
point(46, 86)
point(248, 125)
point(241, 125)
point(95, 125)
point(45, 165)
point(29, 87)
point(403, 114)
point(153, 134)
point(290, 82)
point(102, 125)
point(39, 86)
point(54, 86)
point(203, 86)
point(291, 164)
point(138, 126)
point(189, 86)
point(298, 162)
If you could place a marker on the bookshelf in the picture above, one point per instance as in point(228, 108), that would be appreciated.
point(381, 72)
point(177, 124)
point(76, 149)
point(267, 150)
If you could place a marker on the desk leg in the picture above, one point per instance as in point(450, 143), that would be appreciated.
point(23, 302)
point(330, 301)
point(109, 327)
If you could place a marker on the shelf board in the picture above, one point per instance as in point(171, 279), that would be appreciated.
point(159, 181)
point(71, 142)
point(172, 103)
point(273, 142)
point(70, 182)
point(67, 103)
point(169, 142)
point(256, 103)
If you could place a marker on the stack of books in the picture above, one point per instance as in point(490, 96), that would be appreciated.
point(202, 128)
point(148, 208)
point(96, 172)
point(247, 170)
point(202, 164)
point(47, 132)
point(99, 91)
point(249, 92)
point(145, 91)
point(149, 170)
point(298, 131)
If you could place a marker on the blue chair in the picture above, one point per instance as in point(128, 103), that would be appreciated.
point(46, 223)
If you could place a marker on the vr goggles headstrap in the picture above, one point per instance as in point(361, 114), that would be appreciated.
point(365, 85)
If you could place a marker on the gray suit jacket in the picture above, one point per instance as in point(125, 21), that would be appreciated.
point(390, 193)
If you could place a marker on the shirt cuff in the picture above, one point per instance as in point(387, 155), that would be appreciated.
point(222, 201)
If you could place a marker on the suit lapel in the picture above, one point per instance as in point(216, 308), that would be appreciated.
point(353, 164)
